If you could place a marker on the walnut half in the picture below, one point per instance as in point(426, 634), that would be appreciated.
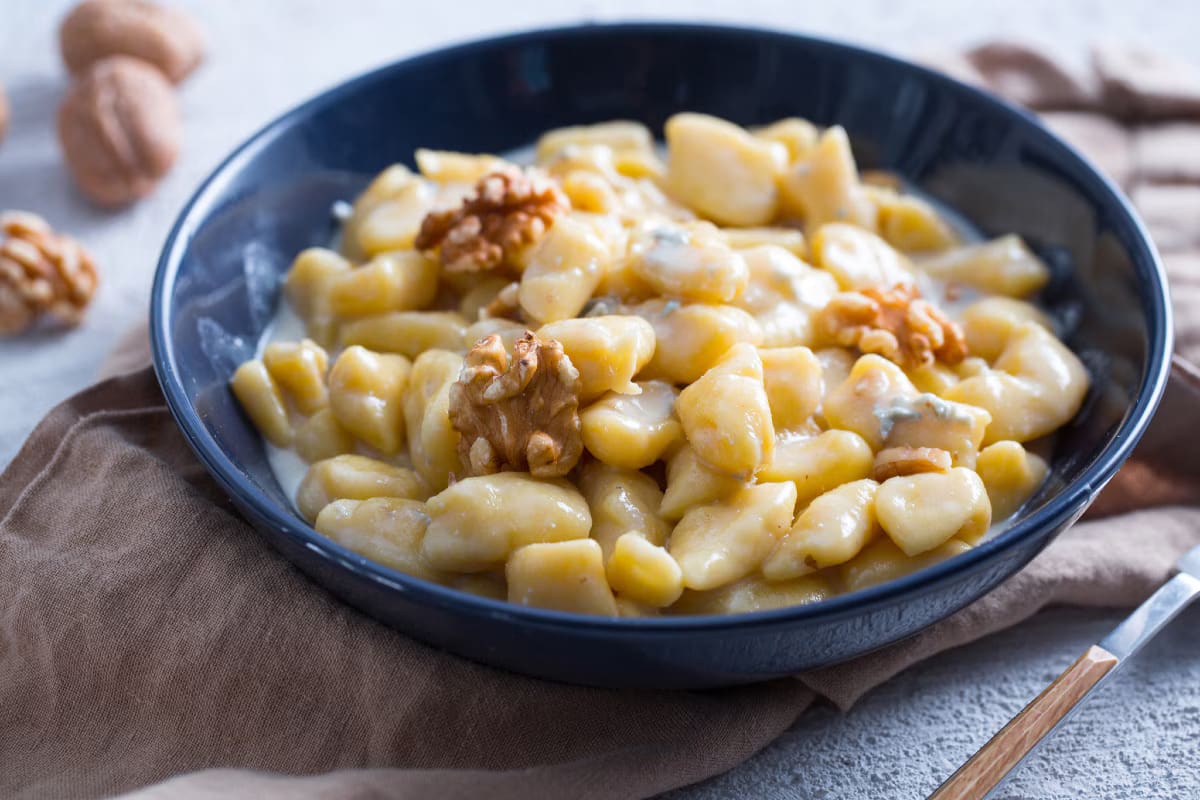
point(520, 413)
point(510, 210)
point(895, 461)
point(41, 272)
point(894, 323)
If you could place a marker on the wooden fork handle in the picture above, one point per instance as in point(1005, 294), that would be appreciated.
point(984, 770)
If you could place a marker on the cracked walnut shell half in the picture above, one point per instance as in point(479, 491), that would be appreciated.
point(894, 323)
point(520, 413)
point(896, 461)
point(41, 272)
point(510, 210)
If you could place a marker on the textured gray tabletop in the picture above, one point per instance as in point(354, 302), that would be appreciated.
point(1139, 738)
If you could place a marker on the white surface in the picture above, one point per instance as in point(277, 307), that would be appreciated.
point(1139, 739)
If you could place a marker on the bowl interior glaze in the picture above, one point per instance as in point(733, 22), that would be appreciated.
point(218, 280)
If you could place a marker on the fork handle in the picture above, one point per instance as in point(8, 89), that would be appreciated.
point(984, 770)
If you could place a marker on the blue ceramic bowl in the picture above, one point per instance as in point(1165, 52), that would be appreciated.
point(218, 278)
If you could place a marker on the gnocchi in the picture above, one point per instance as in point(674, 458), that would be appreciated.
point(746, 376)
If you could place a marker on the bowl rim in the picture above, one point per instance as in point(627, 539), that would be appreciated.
point(1059, 510)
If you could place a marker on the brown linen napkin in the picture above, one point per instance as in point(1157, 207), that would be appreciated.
point(146, 631)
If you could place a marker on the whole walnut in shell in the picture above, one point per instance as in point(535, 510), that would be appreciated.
point(120, 129)
point(164, 37)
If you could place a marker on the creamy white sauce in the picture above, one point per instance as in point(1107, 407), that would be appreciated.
point(289, 469)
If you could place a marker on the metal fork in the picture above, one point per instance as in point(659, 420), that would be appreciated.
point(988, 768)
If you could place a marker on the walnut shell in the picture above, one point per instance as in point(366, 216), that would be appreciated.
point(165, 37)
point(120, 129)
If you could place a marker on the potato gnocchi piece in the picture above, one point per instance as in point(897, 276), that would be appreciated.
point(307, 290)
point(989, 324)
point(721, 171)
point(832, 530)
point(792, 377)
point(386, 530)
point(788, 239)
point(409, 333)
point(478, 522)
point(1011, 475)
point(690, 339)
point(726, 415)
point(590, 192)
point(354, 477)
point(620, 136)
point(1004, 266)
point(563, 271)
point(935, 378)
point(432, 440)
point(823, 186)
point(622, 500)
point(607, 350)
point(920, 512)
point(447, 166)
point(563, 576)
point(722, 542)
point(784, 294)
point(692, 262)
point(873, 387)
point(882, 561)
point(1035, 387)
point(298, 368)
point(859, 259)
point(261, 399)
point(321, 436)
point(643, 571)
point(911, 224)
point(393, 281)
point(799, 136)
point(817, 464)
point(388, 215)
point(632, 430)
point(691, 482)
point(836, 363)
point(752, 593)
point(365, 391)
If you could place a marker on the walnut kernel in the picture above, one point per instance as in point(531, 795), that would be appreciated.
point(896, 461)
point(119, 128)
point(894, 323)
point(41, 272)
point(517, 414)
point(164, 37)
point(510, 210)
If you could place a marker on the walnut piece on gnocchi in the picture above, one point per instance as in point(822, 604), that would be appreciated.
point(718, 375)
